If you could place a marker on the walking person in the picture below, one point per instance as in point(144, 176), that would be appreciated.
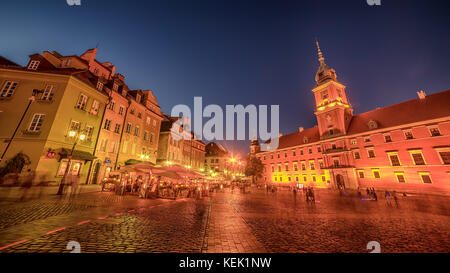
point(387, 196)
point(394, 196)
point(374, 194)
point(75, 185)
point(26, 185)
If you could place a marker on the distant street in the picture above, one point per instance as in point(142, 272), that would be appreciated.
point(225, 222)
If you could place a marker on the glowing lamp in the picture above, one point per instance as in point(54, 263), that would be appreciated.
point(72, 133)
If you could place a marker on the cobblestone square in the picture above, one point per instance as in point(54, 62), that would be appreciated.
point(225, 222)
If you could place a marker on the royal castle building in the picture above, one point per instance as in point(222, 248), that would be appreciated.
point(405, 146)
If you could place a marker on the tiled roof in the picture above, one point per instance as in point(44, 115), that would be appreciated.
point(417, 110)
point(431, 107)
point(309, 135)
point(4, 61)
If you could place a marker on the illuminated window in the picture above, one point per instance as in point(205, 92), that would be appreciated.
point(279, 167)
point(400, 177)
point(273, 168)
point(354, 142)
point(321, 163)
point(361, 173)
point(286, 167)
point(425, 177)
point(303, 166)
point(74, 126)
point(417, 157)
point(394, 159)
point(295, 166)
point(314, 178)
point(376, 173)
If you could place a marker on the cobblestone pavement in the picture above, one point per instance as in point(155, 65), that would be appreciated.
point(225, 222)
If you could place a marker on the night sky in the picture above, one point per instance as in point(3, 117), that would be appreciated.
point(246, 52)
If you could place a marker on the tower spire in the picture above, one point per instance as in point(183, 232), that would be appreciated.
point(321, 58)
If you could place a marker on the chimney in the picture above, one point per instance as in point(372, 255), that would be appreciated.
point(422, 95)
point(301, 129)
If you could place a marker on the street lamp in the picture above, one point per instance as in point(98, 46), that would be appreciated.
point(30, 101)
point(78, 136)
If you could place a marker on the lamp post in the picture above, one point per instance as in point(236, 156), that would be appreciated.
point(30, 101)
point(78, 136)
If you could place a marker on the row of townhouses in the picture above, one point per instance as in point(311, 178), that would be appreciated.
point(405, 146)
point(58, 107)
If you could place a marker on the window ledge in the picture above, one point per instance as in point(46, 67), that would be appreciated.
point(6, 98)
point(45, 101)
point(32, 133)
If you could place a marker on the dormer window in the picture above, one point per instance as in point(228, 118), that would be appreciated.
point(100, 86)
point(434, 131)
point(373, 124)
point(305, 140)
point(33, 65)
point(138, 98)
point(115, 87)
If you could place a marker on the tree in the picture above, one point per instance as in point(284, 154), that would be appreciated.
point(15, 164)
point(254, 167)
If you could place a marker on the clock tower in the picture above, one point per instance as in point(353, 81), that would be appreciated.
point(333, 111)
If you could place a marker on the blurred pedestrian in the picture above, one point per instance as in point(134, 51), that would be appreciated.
point(394, 196)
point(75, 185)
point(374, 194)
point(27, 184)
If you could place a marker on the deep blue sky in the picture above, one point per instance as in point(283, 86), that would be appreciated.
point(246, 52)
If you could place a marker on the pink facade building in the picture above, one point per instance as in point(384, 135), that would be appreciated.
point(404, 147)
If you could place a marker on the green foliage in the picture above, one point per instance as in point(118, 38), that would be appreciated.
point(254, 167)
point(15, 164)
